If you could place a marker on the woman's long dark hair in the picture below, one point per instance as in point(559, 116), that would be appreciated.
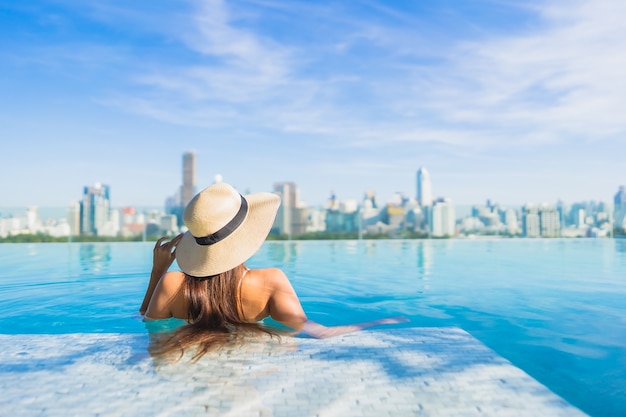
point(215, 315)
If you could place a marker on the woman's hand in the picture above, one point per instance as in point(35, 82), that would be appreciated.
point(162, 258)
point(164, 254)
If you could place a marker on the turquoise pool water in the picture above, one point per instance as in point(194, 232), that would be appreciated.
point(555, 308)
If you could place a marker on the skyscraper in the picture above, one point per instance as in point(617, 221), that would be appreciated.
point(188, 189)
point(289, 197)
point(549, 221)
point(424, 188)
point(73, 218)
point(442, 220)
point(94, 209)
point(530, 221)
point(290, 219)
point(619, 214)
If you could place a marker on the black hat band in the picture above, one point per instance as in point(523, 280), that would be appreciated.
point(228, 229)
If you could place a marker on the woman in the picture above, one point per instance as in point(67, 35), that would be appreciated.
point(215, 292)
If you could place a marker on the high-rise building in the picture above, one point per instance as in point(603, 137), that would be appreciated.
point(579, 217)
point(342, 217)
point(442, 219)
point(510, 220)
point(288, 192)
point(175, 205)
point(561, 208)
point(167, 224)
point(530, 221)
point(370, 196)
point(188, 189)
point(424, 188)
point(369, 213)
point(315, 219)
point(619, 210)
point(113, 226)
point(73, 218)
point(32, 219)
point(549, 221)
point(94, 209)
point(291, 218)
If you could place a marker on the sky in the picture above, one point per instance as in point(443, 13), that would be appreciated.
point(514, 101)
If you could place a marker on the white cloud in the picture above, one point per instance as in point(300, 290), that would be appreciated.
point(234, 64)
point(559, 81)
point(564, 80)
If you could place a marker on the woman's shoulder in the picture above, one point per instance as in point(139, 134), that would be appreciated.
point(270, 278)
point(173, 276)
point(164, 299)
point(269, 274)
point(269, 271)
point(172, 280)
point(257, 289)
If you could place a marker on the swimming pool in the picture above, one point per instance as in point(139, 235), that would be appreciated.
point(554, 308)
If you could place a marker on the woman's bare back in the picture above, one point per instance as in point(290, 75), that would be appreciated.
point(262, 292)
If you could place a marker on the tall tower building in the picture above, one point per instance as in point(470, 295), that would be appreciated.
point(32, 219)
point(288, 193)
point(73, 218)
point(443, 220)
point(94, 209)
point(510, 220)
point(291, 218)
point(530, 221)
point(424, 188)
point(619, 214)
point(549, 221)
point(188, 189)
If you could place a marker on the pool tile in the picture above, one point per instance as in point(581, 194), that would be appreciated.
point(398, 372)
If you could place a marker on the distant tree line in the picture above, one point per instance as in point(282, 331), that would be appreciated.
point(44, 238)
point(404, 234)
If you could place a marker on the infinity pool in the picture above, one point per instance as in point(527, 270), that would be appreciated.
point(554, 308)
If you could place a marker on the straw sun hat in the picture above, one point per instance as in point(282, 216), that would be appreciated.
point(225, 229)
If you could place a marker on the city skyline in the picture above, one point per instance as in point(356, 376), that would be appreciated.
point(510, 101)
point(405, 217)
point(354, 196)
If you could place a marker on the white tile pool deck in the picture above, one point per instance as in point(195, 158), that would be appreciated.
point(398, 372)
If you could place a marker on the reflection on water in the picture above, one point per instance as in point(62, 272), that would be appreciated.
point(352, 247)
point(554, 307)
point(283, 252)
point(370, 248)
point(424, 259)
point(32, 249)
point(95, 258)
point(619, 249)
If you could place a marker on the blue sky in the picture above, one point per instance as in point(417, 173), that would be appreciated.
point(510, 100)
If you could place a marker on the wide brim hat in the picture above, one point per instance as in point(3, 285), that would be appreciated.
point(224, 229)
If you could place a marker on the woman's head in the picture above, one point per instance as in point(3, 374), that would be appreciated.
point(225, 229)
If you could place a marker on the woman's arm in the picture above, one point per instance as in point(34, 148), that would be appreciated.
point(285, 307)
point(319, 331)
point(162, 258)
